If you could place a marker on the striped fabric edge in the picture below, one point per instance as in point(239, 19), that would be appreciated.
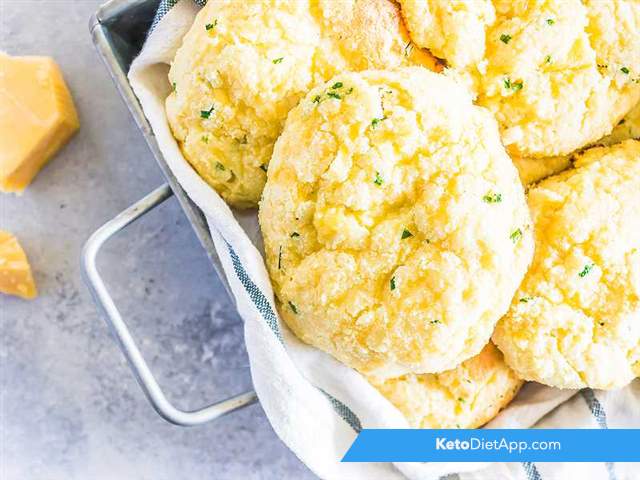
point(263, 306)
point(165, 6)
point(598, 412)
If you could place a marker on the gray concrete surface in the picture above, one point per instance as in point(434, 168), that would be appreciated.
point(70, 408)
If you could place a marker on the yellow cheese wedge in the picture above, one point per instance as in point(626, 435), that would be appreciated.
point(15, 271)
point(37, 117)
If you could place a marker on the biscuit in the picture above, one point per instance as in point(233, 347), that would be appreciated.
point(396, 230)
point(575, 321)
point(244, 65)
point(466, 397)
point(532, 170)
point(558, 74)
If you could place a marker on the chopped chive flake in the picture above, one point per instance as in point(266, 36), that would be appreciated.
point(550, 21)
point(293, 308)
point(263, 167)
point(461, 400)
point(334, 95)
point(337, 85)
point(547, 59)
point(350, 90)
point(376, 121)
point(316, 99)
point(525, 299)
point(378, 180)
point(173, 86)
point(278, 60)
point(625, 70)
point(434, 322)
point(406, 234)
point(392, 283)
point(492, 198)
point(205, 139)
point(516, 235)
point(295, 234)
point(206, 113)
point(220, 166)
point(585, 271)
point(504, 38)
point(515, 86)
point(210, 26)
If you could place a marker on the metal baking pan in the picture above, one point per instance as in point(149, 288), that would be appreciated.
point(119, 29)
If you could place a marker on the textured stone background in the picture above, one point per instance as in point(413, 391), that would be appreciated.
point(70, 407)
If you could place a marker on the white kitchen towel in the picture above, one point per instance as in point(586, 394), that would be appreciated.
point(315, 404)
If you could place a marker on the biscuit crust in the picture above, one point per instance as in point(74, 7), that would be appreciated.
point(466, 397)
point(396, 229)
point(575, 321)
point(558, 74)
point(244, 65)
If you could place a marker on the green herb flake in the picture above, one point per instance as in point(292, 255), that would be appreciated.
point(277, 60)
point(293, 308)
point(515, 86)
point(550, 21)
point(263, 167)
point(378, 180)
point(205, 139)
point(406, 234)
point(461, 400)
point(294, 234)
point(392, 283)
point(173, 86)
point(376, 121)
point(625, 70)
point(334, 95)
point(516, 235)
point(547, 59)
point(525, 299)
point(211, 26)
point(504, 38)
point(316, 99)
point(206, 113)
point(586, 270)
point(434, 322)
point(492, 198)
point(336, 85)
point(220, 166)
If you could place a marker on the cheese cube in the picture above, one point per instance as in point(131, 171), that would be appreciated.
point(15, 271)
point(37, 117)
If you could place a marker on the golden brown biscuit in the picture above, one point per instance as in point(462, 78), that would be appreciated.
point(575, 321)
point(244, 65)
point(466, 397)
point(396, 230)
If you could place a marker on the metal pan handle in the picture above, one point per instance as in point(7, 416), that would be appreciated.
point(120, 330)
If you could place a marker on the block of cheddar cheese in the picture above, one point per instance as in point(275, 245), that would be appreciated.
point(15, 272)
point(37, 117)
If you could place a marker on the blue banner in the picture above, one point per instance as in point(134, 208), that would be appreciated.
point(512, 445)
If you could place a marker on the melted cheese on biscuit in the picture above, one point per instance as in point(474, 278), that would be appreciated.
point(575, 321)
point(395, 227)
point(243, 66)
point(558, 74)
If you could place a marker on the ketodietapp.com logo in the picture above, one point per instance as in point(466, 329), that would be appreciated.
point(505, 445)
point(475, 443)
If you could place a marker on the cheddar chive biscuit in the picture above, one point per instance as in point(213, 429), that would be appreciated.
point(244, 65)
point(466, 397)
point(575, 321)
point(558, 74)
point(396, 230)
